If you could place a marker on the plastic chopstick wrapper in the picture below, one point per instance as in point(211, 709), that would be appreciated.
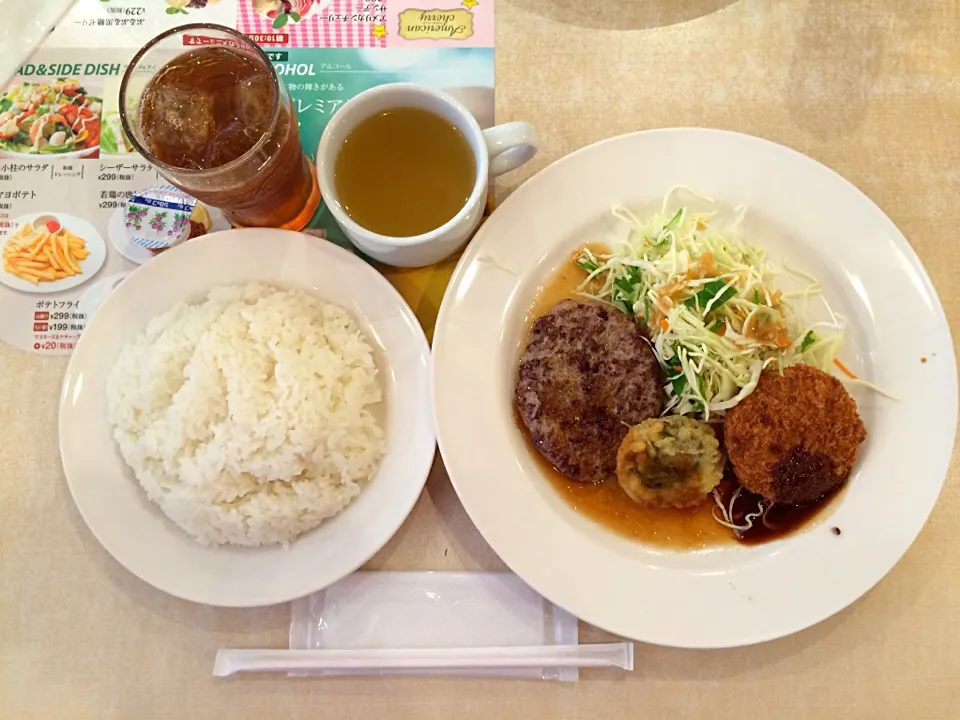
point(460, 612)
point(619, 655)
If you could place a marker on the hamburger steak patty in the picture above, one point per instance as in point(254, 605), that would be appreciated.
point(587, 374)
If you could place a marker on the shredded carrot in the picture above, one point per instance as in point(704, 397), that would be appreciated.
point(845, 369)
point(783, 341)
point(722, 331)
point(664, 325)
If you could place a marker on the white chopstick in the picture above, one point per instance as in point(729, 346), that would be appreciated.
point(619, 655)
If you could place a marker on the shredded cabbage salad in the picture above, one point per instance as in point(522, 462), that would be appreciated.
point(711, 304)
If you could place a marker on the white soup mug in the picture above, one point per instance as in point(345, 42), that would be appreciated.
point(496, 150)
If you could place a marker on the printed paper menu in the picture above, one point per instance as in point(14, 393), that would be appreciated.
point(67, 168)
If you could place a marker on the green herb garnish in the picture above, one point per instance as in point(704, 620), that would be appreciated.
point(587, 265)
point(809, 339)
point(626, 290)
point(718, 289)
point(661, 237)
point(679, 383)
point(673, 221)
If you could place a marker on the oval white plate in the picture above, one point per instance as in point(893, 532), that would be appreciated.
point(89, 267)
point(136, 533)
point(731, 595)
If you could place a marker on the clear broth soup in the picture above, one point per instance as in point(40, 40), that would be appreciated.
point(404, 172)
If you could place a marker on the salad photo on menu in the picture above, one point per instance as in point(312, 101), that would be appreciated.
point(114, 140)
point(59, 118)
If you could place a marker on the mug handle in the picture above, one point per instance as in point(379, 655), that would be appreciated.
point(510, 145)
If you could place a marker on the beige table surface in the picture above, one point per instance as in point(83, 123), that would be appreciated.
point(869, 88)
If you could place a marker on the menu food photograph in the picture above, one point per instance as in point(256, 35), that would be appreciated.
point(481, 358)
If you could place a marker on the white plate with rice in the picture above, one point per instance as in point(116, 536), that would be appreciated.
point(247, 420)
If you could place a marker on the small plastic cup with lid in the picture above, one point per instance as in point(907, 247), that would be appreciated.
point(159, 217)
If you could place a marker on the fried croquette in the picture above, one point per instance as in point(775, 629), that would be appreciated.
point(795, 438)
point(673, 461)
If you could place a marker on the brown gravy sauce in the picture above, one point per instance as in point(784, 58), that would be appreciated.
point(609, 506)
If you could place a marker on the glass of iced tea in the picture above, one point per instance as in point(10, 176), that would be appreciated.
point(203, 103)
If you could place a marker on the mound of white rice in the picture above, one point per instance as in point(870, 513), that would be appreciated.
point(247, 417)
